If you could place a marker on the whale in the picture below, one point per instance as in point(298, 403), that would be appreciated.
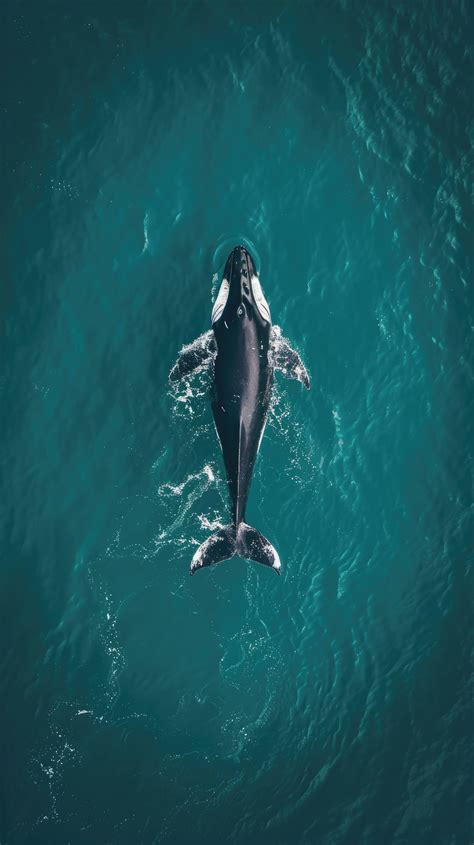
point(242, 351)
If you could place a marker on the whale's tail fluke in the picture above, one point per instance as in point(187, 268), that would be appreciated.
point(221, 546)
point(252, 545)
point(243, 540)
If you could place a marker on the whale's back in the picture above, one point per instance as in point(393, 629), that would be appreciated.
point(241, 396)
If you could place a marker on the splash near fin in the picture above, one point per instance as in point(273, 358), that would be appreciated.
point(245, 541)
point(194, 356)
point(286, 360)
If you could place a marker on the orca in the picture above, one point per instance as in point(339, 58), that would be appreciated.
point(242, 351)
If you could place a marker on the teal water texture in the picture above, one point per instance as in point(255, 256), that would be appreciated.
point(329, 706)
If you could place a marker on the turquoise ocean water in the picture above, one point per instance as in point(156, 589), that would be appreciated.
point(141, 142)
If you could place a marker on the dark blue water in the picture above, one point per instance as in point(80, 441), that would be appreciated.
point(140, 142)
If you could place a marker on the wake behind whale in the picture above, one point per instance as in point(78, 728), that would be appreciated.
point(242, 350)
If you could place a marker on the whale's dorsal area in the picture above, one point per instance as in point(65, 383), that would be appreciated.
point(200, 354)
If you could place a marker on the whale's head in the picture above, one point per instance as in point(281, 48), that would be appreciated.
point(240, 293)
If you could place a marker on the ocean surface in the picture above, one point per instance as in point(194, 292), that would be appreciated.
point(141, 141)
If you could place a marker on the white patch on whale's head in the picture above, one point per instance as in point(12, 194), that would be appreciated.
point(260, 301)
point(220, 302)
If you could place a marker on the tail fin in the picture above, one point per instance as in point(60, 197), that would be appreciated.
point(221, 546)
point(244, 541)
point(254, 546)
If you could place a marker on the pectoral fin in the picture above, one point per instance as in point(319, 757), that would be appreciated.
point(286, 360)
point(194, 356)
